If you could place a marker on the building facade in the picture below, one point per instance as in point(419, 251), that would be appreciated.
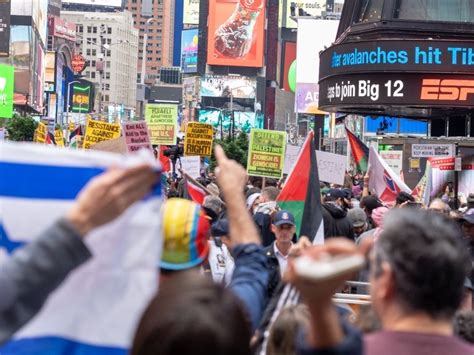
point(109, 43)
point(160, 38)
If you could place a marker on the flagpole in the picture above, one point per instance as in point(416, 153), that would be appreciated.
point(264, 180)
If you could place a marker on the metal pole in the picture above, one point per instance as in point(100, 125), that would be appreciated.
point(232, 114)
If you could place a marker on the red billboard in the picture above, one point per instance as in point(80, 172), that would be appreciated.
point(236, 34)
point(290, 56)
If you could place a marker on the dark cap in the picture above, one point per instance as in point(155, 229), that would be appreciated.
point(284, 217)
point(347, 193)
point(335, 193)
point(220, 228)
point(370, 203)
point(468, 216)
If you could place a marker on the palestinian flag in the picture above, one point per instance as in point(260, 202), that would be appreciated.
point(360, 152)
point(74, 137)
point(195, 193)
point(301, 194)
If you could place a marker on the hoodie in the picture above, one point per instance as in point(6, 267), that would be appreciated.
point(336, 222)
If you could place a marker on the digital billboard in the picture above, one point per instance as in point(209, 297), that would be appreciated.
point(191, 12)
point(111, 3)
point(236, 33)
point(82, 97)
point(227, 86)
point(312, 8)
point(189, 50)
point(4, 28)
point(7, 75)
point(243, 121)
point(290, 56)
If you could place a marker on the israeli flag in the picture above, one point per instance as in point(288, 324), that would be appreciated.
point(97, 308)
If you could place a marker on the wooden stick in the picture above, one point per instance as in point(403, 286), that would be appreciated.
point(264, 180)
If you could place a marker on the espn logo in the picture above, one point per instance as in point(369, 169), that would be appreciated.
point(446, 89)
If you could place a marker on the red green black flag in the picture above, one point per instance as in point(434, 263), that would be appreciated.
point(360, 152)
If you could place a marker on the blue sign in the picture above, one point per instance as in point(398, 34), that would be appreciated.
point(393, 125)
point(189, 50)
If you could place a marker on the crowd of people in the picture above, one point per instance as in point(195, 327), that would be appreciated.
point(222, 283)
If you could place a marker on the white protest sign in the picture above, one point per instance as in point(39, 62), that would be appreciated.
point(432, 150)
point(191, 165)
point(394, 159)
point(291, 156)
point(331, 167)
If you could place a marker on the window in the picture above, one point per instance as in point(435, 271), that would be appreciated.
point(109, 30)
point(89, 29)
point(93, 63)
point(435, 10)
point(370, 11)
point(94, 52)
point(107, 75)
point(93, 75)
point(88, 74)
point(149, 58)
point(94, 29)
point(79, 28)
point(106, 97)
point(88, 51)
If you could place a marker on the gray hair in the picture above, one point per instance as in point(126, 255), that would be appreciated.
point(214, 203)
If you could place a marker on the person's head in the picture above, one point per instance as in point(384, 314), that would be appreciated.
point(284, 227)
point(403, 197)
point(467, 221)
point(283, 334)
point(192, 315)
point(378, 216)
point(438, 205)
point(370, 203)
point(185, 232)
point(213, 188)
point(213, 203)
point(463, 325)
point(220, 230)
point(336, 196)
point(252, 202)
point(418, 266)
point(358, 219)
point(251, 191)
point(269, 193)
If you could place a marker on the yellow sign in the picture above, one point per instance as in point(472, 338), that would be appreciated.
point(266, 153)
point(198, 140)
point(162, 122)
point(58, 137)
point(97, 131)
point(40, 133)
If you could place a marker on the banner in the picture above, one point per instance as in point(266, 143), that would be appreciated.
point(331, 167)
point(162, 122)
point(266, 153)
point(236, 33)
point(189, 50)
point(191, 12)
point(98, 131)
point(191, 165)
point(40, 133)
point(58, 137)
point(198, 139)
point(136, 136)
point(7, 79)
point(291, 156)
point(394, 159)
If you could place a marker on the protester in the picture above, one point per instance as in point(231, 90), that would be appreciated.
point(336, 223)
point(214, 207)
point(221, 263)
point(358, 220)
point(415, 308)
point(440, 206)
point(283, 226)
point(263, 214)
point(463, 325)
point(403, 198)
point(252, 202)
point(368, 204)
point(467, 222)
point(34, 271)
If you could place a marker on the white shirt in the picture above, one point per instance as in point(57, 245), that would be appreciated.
point(282, 259)
point(221, 263)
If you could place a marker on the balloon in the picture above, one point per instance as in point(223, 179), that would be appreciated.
point(292, 76)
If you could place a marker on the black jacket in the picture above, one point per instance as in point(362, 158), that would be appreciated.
point(336, 222)
point(274, 266)
point(264, 223)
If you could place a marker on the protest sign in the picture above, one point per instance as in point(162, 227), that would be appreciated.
point(40, 133)
point(331, 167)
point(98, 131)
point(136, 136)
point(394, 159)
point(191, 165)
point(291, 156)
point(58, 137)
point(162, 122)
point(198, 140)
point(266, 153)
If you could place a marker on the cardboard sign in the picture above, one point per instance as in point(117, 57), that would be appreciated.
point(98, 131)
point(432, 150)
point(266, 153)
point(136, 136)
point(291, 156)
point(58, 137)
point(40, 133)
point(162, 122)
point(198, 140)
point(331, 167)
point(191, 165)
point(394, 159)
point(116, 145)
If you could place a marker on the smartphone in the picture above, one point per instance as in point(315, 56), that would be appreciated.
point(328, 268)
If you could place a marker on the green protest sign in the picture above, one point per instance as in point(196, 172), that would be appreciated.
point(7, 74)
point(266, 153)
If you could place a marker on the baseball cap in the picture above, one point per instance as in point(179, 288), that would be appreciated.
point(284, 217)
point(468, 216)
point(185, 231)
point(220, 228)
point(357, 217)
point(347, 193)
point(336, 193)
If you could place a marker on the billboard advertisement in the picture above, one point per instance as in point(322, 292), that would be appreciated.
point(4, 28)
point(82, 97)
point(313, 8)
point(290, 56)
point(189, 50)
point(222, 120)
point(61, 28)
point(313, 36)
point(111, 3)
point(191, 12)
point(236, 33)
point(226, 86)
point(7, 75)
